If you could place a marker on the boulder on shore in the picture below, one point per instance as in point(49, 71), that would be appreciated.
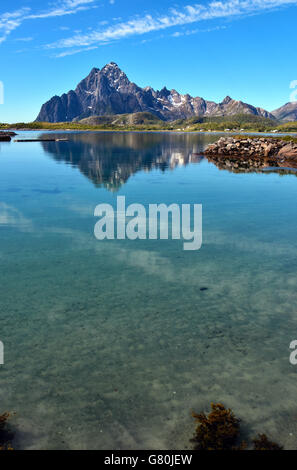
point(5, 136)
point(289, 152)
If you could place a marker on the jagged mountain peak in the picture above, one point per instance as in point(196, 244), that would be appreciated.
point(109, 91)
point(227, 100)
point(164, 92)
point(115, 75)
point(112, 69)
point(111, 65)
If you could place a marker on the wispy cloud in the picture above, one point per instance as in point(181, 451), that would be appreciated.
point(185, 16)
point(189, 32)
point(28, 39)
point(75, 51)
point(65, 7)
point(104, 34)
point(10, 21)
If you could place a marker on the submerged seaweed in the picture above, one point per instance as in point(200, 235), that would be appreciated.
point(217, 431)
point(5, 434)
point(220, 430)
point(263, 443)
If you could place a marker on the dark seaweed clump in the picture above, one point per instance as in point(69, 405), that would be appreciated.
point(217, 431)
point(220, 430)
point(263, 443)
point(5, 434)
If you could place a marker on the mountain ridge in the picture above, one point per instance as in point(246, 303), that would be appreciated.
point(109, 92)
point(286, 113)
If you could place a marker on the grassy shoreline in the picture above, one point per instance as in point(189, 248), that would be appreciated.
point(13, 127)
point(189, 125)
point(147, 122)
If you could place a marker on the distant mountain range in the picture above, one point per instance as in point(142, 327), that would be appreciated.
point(286, 113)
point(109, 91)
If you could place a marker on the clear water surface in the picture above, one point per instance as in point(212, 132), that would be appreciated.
point(110, 345)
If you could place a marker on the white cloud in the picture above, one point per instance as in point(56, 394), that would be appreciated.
point(9, 21)
point(75, 51)
point(12, 217)
point(185, 16)
point(189, 32)
point(65, 7)
point(137, 26)
point(28, 39)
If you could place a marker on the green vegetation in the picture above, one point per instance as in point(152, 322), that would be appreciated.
point(145, 121)
point(121, 122)
point(220, 430)
point(124, 120)
point(288, 127)
point(286, 138)
point(247, 122)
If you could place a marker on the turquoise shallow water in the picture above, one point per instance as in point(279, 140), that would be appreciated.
point(110, 345)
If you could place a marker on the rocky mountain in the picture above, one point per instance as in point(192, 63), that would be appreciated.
point(286, 113)
point(109, 91)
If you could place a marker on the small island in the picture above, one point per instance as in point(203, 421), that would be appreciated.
point(253, 152)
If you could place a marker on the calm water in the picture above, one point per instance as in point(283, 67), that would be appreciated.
point(110, 345)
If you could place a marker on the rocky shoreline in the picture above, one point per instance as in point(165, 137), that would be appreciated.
point(6, 136)
point(253, 153)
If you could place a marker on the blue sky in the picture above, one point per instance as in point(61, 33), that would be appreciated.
point(245, 49)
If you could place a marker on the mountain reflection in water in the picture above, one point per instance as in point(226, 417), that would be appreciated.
point(109, 159)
